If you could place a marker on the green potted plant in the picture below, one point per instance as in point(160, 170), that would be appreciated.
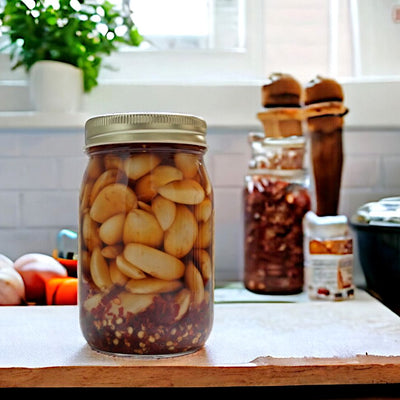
point(74, 35)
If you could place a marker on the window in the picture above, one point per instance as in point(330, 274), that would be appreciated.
point(190, 24)
point(347, 39)
point(243, 41)
point(376, 28)
point(184, 39)
point(192, 40)
point(246, 40)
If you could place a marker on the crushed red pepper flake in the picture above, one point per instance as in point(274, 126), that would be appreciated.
point(274, 210)
point(150, 332)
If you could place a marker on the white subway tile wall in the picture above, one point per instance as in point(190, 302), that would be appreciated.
point(41, 172)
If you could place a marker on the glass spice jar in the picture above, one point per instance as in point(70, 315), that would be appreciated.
point(276, 198)
point(146, 248)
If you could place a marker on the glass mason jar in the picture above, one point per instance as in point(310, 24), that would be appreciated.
point(276, 198)
point(146, 248)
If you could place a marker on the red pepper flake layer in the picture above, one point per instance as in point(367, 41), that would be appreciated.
point(153, 331)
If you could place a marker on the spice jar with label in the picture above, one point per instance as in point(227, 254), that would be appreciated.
point(328, 248)
point(146, 252)
point(276, 198)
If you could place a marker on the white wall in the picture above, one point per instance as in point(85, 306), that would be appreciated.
point(41, 171)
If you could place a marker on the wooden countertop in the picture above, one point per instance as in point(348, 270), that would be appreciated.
point(253, 343)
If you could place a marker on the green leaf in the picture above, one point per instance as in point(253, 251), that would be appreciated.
point(135, 37)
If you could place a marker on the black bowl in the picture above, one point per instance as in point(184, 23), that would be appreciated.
point(379, 256)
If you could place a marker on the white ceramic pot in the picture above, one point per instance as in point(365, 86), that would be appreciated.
point(55, 87)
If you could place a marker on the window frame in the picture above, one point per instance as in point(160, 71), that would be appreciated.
point(137, 65)
point(224, 98)
point(200, 65)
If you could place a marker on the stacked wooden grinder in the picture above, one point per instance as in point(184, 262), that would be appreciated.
point(283, 234)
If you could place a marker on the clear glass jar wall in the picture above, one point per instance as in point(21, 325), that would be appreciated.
point(276, 198)
point(146, 256)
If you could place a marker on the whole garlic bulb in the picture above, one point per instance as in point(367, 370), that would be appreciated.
point(12, 288)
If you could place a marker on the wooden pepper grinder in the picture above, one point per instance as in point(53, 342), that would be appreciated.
point(324, 112)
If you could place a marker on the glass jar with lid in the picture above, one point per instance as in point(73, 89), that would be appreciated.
point(276, 198)
point(146, 246)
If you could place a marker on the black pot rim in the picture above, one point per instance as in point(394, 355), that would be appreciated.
point(359, 226)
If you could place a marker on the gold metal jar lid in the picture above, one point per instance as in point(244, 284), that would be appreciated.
point(145, 128)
